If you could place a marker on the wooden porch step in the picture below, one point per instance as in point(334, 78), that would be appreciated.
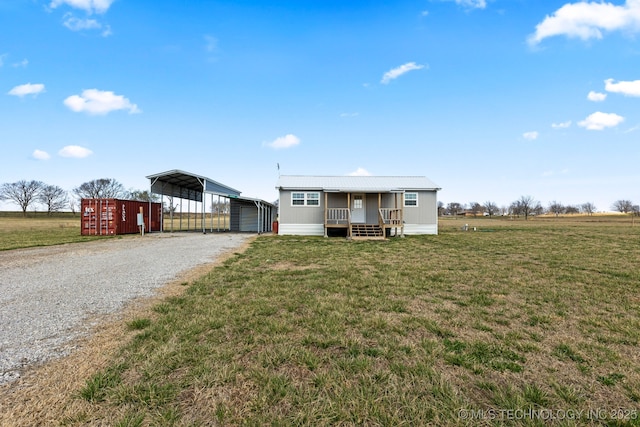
point(366, 230)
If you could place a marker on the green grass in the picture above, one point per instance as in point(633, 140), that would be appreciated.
point(313, 331)
point(38, 229)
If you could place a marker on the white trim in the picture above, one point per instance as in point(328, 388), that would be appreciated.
point(416, 199)
point(301, 229)
point(306, 199)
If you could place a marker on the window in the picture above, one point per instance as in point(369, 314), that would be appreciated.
point(305, 199)
point(357, 202)
point(297, 199)
point(313, 199)
point(410, 199)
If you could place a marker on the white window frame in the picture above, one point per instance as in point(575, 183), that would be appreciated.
point(310, 198)
point(411, 200)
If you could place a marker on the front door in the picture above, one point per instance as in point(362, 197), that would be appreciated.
point(357, 208)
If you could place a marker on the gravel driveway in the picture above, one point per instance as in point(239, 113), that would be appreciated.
point(47, 294)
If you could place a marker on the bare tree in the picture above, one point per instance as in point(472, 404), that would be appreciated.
point(104, 188)
point(74, 205)
point(454, 208)
point(490, 208)
point(475, 208)
point(570, 209)
point(170, 208)
point(526, 205)
point(441, 208)
point(53, 197)
point(22, 193)
point(624, 206)
point(142, 196)
point(556, 208)
point(222, 207)
point(588, 208)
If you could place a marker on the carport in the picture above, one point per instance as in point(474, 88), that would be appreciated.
point(192, 188)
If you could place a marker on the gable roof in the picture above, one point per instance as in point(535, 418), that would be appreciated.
point(188, 185)
point(373, 184)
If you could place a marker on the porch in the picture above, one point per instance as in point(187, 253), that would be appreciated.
point(364, 215)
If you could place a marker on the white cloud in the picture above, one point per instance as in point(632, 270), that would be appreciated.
point(4, 55)
point(630, 88)
point(75, 151)
point(599, 121)
point(211, 43)
point(633, 129)
point(562, 125)
point(349, 114)
point(424, 13)
point(107, 31)
point(530, 136)
point(360, 172)
point(77, 24)
point(472, 4)
point(596, 96)
point(98, 102)
point(27, 89)
point(286, 141)
point(40, 155)
point(83, 24)
point(22, 64)
point(398, 71)
point(587, 20)
point(89, 6)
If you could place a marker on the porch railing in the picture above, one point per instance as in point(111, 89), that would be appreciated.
point(338, 216)
point(390, 216)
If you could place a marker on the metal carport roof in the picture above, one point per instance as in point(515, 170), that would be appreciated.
point(186, 185)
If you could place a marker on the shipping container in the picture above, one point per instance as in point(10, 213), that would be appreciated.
point(106, 217)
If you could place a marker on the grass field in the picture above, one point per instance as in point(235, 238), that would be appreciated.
point(194, 222)
point(39, 229)
point(517, 323)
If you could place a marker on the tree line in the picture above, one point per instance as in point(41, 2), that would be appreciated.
point(53, 198)
point(527, 206)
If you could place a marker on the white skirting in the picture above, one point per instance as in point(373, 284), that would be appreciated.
point(301, 229)
point(318, 229)
point(414, 229)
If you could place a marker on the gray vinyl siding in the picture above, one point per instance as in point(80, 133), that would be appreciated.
point(371, 206)
point(426, 212)
point(300, 214)
point(421, 219)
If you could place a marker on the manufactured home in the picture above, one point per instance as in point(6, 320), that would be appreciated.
point(357, 206)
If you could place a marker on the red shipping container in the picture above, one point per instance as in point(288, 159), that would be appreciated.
point(107, 217)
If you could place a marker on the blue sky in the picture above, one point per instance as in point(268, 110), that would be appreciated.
point(491, 99)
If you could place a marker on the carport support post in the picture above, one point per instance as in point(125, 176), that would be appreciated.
point(204, 202)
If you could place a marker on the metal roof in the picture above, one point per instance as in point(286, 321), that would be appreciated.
point(373, 184)
point(188, 185)
point(254, 200)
